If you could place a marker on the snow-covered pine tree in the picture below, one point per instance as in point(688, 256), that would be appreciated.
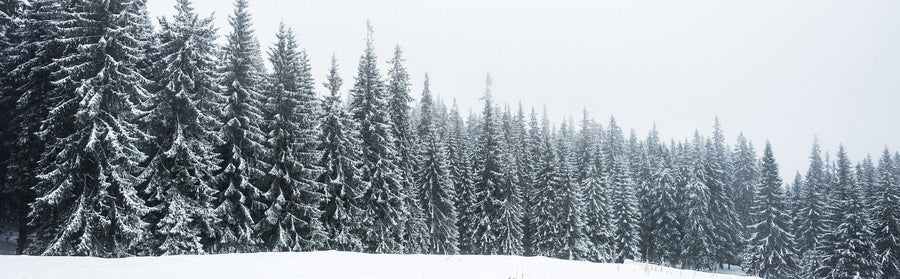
point(571, 201)
point(291, 219)
point(436, 193)
point(524, 171)
point(398, 99)
point(770, 251)
point(596, 202)
point(459, 172)
point(384, 211)
point(865, 176)
point(626, 216)
point(745, 176)
point(341, 203)
point(239, 204)
point(28, 48)
point(508, 228)
point(544, 212)
point(698, 249)
point(488, 180)
point(726, 226)
point(665, 210)
point(181, 119)
point(87, 202)
point(886, 216)
point(809, 221)
point(848, 247)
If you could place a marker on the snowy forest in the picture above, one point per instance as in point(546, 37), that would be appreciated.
point(126, 136)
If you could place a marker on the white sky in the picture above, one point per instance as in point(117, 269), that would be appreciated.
point(778, 70)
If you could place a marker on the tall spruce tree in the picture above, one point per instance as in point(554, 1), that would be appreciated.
point(341, 202)
point(384, 211)
point(459, 172)
point(698, 249)
point(436, 193)
point(809, 225)
point(596, 202)
point(488, 180)
point(745, 177)
point(398, 99)
point(626, 216)
point(291, 219)
point(508, 227)
point(848, 247)
point(886, 216)
point(571, 202)
point(726, 227)
point(26, 93)
point(182, 119)
point(240, 202)
point(87, 202)
point(770, 250)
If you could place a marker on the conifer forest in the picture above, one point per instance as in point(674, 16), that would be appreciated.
point(124, 135)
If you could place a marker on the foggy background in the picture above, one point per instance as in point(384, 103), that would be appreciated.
point(778, 70)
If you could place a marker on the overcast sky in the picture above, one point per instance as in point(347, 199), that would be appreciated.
point(778, 70)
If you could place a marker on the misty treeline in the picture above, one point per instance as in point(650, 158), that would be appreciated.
point(121, 139)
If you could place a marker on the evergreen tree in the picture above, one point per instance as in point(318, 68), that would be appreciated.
point(698, 249)
point(341, 205)
point(488, 181)
point(87, 202)
point(809, 220)
point(182, 121)
point(240, 201)
point(384, 199)
point(664, 212)
point(596, 201)
point(745, 175)
point(771, 246)
point(571, 203)
point(624, 203)
point(459, 174)
point(436, 193)
point(31, 43)
point(886, 216)
point(848, 248)
point(726, 227)
point(508, 227)
point(291, 221)
point(398, 98)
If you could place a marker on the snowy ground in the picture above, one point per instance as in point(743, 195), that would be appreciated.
point(331, 264)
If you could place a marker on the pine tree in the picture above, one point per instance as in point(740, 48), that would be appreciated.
point(291, 219)
point(239, 204)
point(664, 212)
point(571, 202)
point(341, 205)
point(30, 39)
point(596, 201)
point(698, 249)
point(414, 235)
point(459, 172)
point(87, 202)
point(384, 199)
point(545, 194)
point(726, 226)
point(886, 216)
point(488, 183)
point(809, 220)
point(436, 193)
point(745, 175)
point(181, 162)
point(848, 248)
point(625, 213)
point(508, 227)
point(771, 247)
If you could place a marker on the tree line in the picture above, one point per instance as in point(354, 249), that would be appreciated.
point(121, 139)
